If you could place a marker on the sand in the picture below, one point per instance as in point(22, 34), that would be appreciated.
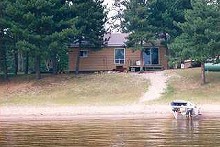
point(15, 113)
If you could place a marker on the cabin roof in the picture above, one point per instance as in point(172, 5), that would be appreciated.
point(119, 40)
point(115, 39)
point(110, 40)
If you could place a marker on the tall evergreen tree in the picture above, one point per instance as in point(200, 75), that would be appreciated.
point(160, 14)
point(200, 39)
point(5, 38)
point(137, 24)
point(163, 14)
point(42, 27)
point(63, 26)
point(89, 24)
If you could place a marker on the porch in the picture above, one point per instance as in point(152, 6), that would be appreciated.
point(135, 68)
point(150, 58)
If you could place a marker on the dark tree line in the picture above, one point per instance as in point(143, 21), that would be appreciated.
point(42, 29)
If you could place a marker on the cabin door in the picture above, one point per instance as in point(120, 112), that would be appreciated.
point(151, 56)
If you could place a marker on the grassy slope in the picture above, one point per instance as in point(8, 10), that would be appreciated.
point(89, 89)
point(185, 84)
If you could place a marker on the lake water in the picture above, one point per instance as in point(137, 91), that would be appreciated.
point(129, 132)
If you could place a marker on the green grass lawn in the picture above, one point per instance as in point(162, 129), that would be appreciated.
point(185, 84)
point(85, 89)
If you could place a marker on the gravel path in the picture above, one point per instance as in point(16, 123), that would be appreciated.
point(158, 84)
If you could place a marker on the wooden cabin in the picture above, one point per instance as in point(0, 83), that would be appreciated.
point(115, 56)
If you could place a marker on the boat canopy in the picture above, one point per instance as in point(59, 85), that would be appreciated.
point(179, 103)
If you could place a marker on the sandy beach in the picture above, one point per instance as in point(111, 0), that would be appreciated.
point(15, 113)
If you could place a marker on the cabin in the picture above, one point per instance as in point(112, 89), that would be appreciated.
point(117, 57)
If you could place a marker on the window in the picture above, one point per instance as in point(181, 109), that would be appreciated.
point(155, 57)
point(151, 56)
point(119, 56)
point(84, 53)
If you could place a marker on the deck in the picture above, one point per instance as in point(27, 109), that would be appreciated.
point(146, 68)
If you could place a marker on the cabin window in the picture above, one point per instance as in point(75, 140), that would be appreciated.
point(119, 56)
point(84, 53)
point(151, 56)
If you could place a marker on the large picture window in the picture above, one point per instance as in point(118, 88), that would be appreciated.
point(119, 56)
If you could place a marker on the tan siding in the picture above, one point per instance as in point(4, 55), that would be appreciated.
point(132, 57)
point(96, 60)
point(163, 57)
point(104, 59)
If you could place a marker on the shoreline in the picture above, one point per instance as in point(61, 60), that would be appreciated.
point(59, 113)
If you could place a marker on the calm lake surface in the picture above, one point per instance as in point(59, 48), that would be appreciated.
point(118, 132)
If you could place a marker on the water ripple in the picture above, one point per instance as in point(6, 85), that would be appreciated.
point(111, 132)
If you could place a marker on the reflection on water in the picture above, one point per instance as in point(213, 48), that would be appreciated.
point(111, 132)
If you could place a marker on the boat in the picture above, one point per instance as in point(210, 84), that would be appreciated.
point(184, 109)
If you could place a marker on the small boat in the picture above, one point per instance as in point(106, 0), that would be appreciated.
point(184, 109)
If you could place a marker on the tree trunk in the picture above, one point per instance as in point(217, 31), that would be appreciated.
point(15, 57)
point(77, 62)
point(203, 77)
point(3, 59)
point(26, 63)
point(5, 67)
point(16, 62)
point(54, 62)
point(37, 67)
point(78, 57)
point(142, 62)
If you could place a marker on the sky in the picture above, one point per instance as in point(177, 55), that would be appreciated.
point(109, 4)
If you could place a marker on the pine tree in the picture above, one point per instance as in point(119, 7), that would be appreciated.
point(200, 39)
point(42, 28)
point(163, 14)
point(137, 24)
point(89, 25)
point(5, 38)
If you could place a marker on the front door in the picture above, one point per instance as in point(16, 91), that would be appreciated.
point(151, 56)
